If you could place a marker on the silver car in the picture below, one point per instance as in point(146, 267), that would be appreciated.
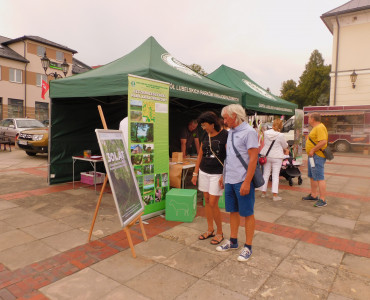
point(11, 127)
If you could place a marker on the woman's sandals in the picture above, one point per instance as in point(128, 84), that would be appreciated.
point(207, 235)
point(217, 239)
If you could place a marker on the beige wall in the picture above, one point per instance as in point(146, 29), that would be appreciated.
point(27, 89)
point(353, 54)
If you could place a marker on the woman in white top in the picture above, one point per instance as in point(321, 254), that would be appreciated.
point(274, 158)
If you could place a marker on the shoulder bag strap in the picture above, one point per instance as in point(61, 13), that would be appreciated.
point(314, 144)
point(268, 151)
point(210, 147)
point(238, 155)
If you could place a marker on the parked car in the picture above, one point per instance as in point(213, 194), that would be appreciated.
point(11, 127)
point(34, 141)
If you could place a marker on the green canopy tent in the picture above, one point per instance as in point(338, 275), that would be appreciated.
point(74, 100)
point(254, 97)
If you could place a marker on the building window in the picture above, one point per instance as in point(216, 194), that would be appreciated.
point(59, 56)
point(41, 50)
point(15, 75)
point(0, 72)
point(15, 108)
point(40, 78)
point(41, 111)
point(1, 108)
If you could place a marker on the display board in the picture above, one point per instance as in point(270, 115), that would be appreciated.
point(298, 136)
point(121, 175)
point(148, 105)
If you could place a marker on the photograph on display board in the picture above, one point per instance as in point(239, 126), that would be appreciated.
point(142, 132)
point(136, 105)
point(136, 159)
point(148, 199)
point(120, 172)
point(136, 116)
point(148, 158)
point(164, 192)
point(148, 189)
point(136, 149)
point(149, 111)
point(158, 195)
point(148, 179)
point(148, 169)
point(138, 170)
point(157, 180)
point(148, 148)
point(165, 179)
point(140, 180)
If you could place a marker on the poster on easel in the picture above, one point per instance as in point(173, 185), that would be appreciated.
point(148, 107)
point(125, 190)
point(298, 136)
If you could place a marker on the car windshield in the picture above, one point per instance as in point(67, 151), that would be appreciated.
point(29, 124)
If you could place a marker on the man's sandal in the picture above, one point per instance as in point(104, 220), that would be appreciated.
point(207, 235)
point(217, 240)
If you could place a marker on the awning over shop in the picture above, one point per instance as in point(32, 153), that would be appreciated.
point(341, 113)
point(254, 97)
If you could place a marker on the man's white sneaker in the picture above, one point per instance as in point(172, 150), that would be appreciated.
point(277, 198)
point(245, 254)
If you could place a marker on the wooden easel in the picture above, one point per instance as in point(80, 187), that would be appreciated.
point(128, 226)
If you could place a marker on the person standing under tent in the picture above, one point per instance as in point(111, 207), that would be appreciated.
point(209, 168)
point(242, 144)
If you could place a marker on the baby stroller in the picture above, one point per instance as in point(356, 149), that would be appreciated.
point(289, 169)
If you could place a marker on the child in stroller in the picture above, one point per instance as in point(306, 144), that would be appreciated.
point(289, 169)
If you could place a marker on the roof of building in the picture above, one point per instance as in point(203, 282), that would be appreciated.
point(39, 40)
point(79, 67)
point(6, 52)
point(351, 6)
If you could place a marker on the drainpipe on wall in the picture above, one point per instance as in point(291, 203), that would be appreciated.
point(336, 63)
point(25, 80)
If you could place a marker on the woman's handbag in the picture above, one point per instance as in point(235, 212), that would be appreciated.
point(263, 158)
point(327, 152)
point(258, 180)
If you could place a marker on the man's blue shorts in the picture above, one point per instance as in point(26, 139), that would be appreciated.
point(234, 202)
point(317, 173)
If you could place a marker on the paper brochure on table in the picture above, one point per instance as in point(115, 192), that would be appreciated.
point(121, 175)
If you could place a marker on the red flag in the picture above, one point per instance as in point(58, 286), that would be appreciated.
point(44, 89)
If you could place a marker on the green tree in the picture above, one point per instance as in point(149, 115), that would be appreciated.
point(198, 69)
point(314, 84)
point(289, 91)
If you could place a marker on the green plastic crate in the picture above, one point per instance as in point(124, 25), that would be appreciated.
point(181, 205)
point(221, 201)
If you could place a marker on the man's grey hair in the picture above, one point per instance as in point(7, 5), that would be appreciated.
point(236, 109)
point(316, 116)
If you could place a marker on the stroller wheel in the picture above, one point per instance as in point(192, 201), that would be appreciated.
point(290, 182)
point(300, 180)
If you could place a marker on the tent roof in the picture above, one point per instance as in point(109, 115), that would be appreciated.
point(150, 60)
point(254, 97)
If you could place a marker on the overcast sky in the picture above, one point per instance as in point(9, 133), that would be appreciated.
point(269, 40)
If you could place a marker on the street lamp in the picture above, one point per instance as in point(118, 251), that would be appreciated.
point(45, 62)
point(353, 78)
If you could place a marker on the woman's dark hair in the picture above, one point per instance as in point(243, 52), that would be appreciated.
point(210, 118)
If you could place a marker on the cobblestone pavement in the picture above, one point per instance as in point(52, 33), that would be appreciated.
point(299, 251)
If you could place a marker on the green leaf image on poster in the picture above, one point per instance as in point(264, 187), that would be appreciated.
point(148, 139)
point(121, 174)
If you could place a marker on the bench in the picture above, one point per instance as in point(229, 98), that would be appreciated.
point(5, 141)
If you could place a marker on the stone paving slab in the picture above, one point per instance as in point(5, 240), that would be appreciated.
point(124, 293)
point(66, 240)
point(46, 229)
point(351, 285)
point(161, 282)
point(93, 284)
point(206, 290)
point(26, 254)
point(129, 267)
point(14, 238)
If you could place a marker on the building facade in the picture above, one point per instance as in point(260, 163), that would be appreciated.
point(21, 74)
point(350, 26)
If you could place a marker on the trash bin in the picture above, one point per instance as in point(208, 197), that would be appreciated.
point(181, 205)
